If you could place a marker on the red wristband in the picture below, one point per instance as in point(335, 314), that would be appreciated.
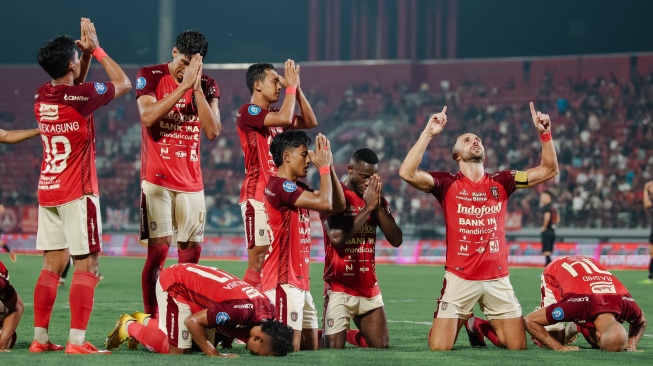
point(291, 90)
point(545, 137)
point(325, 170)
point(99, 54)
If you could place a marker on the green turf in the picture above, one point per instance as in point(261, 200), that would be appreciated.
point(408, 291)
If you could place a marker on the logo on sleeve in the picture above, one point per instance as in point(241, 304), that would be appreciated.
point(289, 186)
point(100, 88)
point(222, 318)
point(140, 83)
point(557, 314)
point(254, 110)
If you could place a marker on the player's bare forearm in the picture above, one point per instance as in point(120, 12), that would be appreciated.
point(339, 204)
point(152, 110)
point(647, 196)
point(340, 232)
point(209, 115)
point(196, 327)
point(11, 321)
point(635, 333)
point(307, 119)
point(538, 332)
point(117, 76)
point(548, 167)
point(287, 110)
point(409, 171)
point(84, 66)
point(13, 137)
point(390, 229)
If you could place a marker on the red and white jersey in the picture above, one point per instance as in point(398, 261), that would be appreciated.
point(233, 306)
point(170, 150)
point(580, 275)
point(64, 116)
point(255, 141)
point(474, 215)
point(351, 268)
point(7, 291)
point(288, 258)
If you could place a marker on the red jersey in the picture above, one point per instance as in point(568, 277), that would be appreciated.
point(170, 150)
point(351, 268)
point(579, 275)
point(7, 291)
point(255, 141)
point(233, 306)
point(64, 116)
point(474, 215)
point(289, 255)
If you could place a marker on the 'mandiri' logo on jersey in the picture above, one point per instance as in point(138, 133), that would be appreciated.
point(100, 88)
point(140, 83)
point(254, 110)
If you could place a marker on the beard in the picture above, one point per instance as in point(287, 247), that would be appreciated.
point(474, 157)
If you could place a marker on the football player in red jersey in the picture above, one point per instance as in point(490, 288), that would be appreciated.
point(11, 309)
point(285, 272)
point(176, 103)
point(648, 205)
point(193, 298)
point(474, 205)
point(579, 289)
point(69, 221)
point(14, 137)
point(257, 123)
point(351, 289)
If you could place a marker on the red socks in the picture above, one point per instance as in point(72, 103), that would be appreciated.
point(156, 257)
point(354, 337)
point(151, 337)
point(253, 278)
point(82, 291)
point(190, 255)
point(486, 329)
point(45, 292)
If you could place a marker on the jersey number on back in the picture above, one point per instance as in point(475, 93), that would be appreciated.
point(57, 151)
point(587, 265)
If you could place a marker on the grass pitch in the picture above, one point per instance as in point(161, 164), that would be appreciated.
point(409, 293)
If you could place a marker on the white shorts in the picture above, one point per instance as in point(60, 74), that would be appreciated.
point(255, 219)
point(172, 314)
point(160, 205)
point(496, 297)
point(547, 298)
point(75, 225)
point(340, 307)
point(294, 307)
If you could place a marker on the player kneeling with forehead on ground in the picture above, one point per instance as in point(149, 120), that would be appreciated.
point(193, 298)
point(11, 310)
point(578, 289)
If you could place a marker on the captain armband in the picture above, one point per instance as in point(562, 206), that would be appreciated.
point(521, 179)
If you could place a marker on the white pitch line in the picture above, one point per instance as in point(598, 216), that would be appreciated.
point(409, 322)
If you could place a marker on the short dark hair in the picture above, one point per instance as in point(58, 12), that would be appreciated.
point(365, 155)
point(191, 42)
point(287, 140)
point(256, 73)
point(281, 337)
point(55, 56)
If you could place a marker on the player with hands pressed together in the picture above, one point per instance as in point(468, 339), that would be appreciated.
point(474, 205)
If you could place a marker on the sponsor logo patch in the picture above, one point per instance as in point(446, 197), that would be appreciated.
point(261, 232)
point(222, 318)
point(254, 110)
point(289, 186)
point(294, 316)
point(153, 225)
point(558, 314)
point(495, 192)
point(100, 88)
point(185, 335)
point(140, 83)
point(330, 322)
point(444, 306)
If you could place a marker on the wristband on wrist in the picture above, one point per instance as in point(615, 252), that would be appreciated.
point(291, 90)
point(325, 170)
point(99, 54)
point(545, 137)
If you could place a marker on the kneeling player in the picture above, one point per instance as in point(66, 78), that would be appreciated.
point(192, 298)
point(578, 289)
point(11, 309)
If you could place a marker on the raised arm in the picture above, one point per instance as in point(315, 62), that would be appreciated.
point(647, 194)
point(339, 203)
point(152, 110)
point(285, 116)
point(89, 44)
point(307, 119)
point(85, 60)
point(635, 333)
point(208, 113)
point(13, 137)
point(322, 158)
point(409, 168)
point(548, 167)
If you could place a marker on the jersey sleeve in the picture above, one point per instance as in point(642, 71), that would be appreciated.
point(7, 291)
point(564, 311)
point(438, 184)
point(145, 83)
point(282, 193)
point(212, 90)
point(633, 312)
point(230, 313)
point(90, 96)
point(252, 117)
point(511, 180)
point(546, 208)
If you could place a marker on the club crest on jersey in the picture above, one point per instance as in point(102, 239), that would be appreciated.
point(495, 192)
point(140, 83)
point(222, 318)
point(100, 88)
point(330, 322)
point(558, 314)
point(294, 316)
point(289, 186)
point(153, 225)
point(185, 334)
point(254, 110)
point(444, 306)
